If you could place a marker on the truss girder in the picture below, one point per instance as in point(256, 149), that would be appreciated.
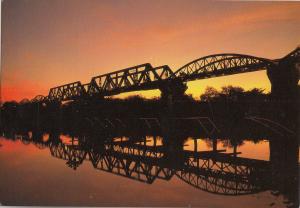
point(134, 78)
point(67, 92)
point(38, 99)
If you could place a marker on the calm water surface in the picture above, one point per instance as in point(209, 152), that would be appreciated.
point(31, 174)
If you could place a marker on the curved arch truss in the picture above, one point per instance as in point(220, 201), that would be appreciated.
point(221, 65)
point(230, 176)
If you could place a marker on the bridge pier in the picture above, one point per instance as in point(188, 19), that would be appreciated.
point(172, 91)
point(284, 153)
point(36, 115)
point(53, 115)
point(284, 78)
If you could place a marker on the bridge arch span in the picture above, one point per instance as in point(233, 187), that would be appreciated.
point(221, 65)
point(218, 185)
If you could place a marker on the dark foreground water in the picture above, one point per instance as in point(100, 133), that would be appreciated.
point(143, 173)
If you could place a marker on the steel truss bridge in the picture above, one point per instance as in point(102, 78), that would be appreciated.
point(212, 171)
point(147, 77)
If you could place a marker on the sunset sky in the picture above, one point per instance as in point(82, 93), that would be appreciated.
point(46, 43)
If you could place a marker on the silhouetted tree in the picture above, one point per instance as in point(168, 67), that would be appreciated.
point(209, 94)
point(229, 90)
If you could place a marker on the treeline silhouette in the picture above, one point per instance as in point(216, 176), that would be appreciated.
point(225, 107)
point(186, 105)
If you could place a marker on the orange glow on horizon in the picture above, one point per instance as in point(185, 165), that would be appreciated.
point(247, 81)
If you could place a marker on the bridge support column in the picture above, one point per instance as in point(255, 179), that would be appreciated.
point(36, 117)
point(172, 91)
point(284, 78)
point(54, 115)
point(174, 147)
point(284, 153)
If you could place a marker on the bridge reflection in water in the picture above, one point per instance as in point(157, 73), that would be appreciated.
point(150, 158)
